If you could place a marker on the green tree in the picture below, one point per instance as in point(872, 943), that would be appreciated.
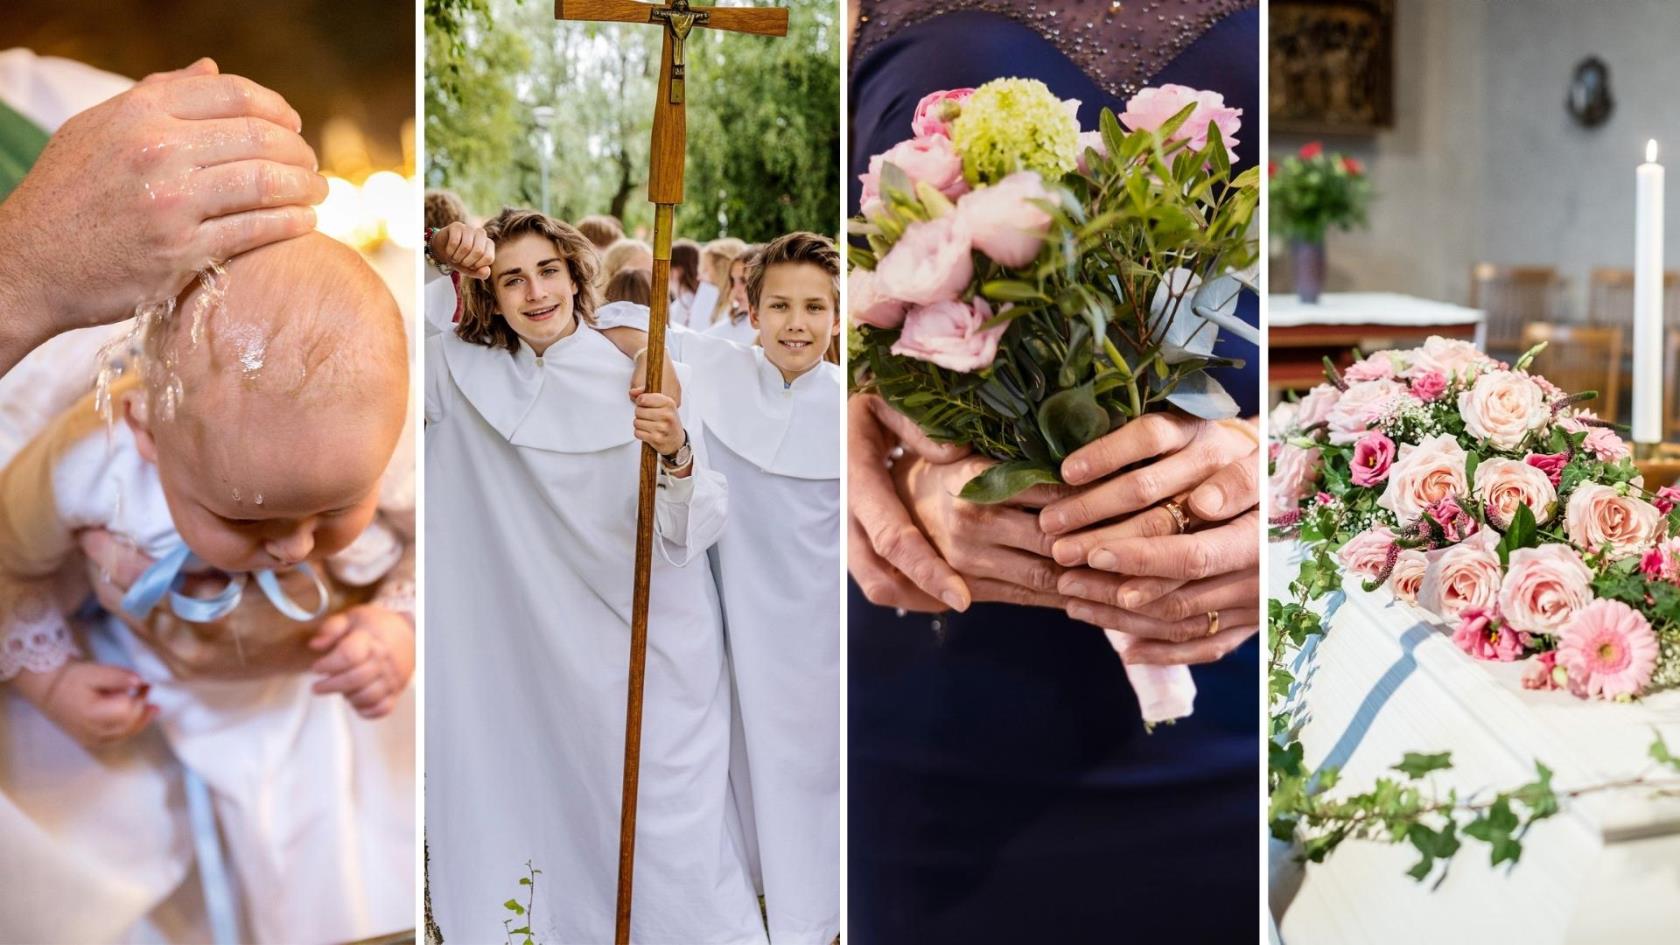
point(763, 117)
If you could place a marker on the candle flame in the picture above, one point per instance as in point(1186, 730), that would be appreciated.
point(1651, 151)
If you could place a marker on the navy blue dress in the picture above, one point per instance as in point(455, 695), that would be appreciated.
point(1001, 786)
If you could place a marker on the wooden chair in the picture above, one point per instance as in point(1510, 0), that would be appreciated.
point(1580, 358)
point(1671, 387)
point(1511, 297)
point(1610, 298)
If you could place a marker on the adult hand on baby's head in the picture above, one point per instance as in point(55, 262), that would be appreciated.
point(93, 703)
point(464, 248)
point(370, 657)
point(133, 196)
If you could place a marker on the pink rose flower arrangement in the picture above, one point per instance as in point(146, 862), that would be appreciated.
point(1316, 406)
point(1503, 408)
point(1367, 553)
point(1543, 588)
point(1464, 577)
point(1429, 385)
point(1598, 518)
point(1361, 405)
point(1407, 577)
point(1424, 473)
point(1551, 464)
point(1504, 485)
point(1455, 523)
point(1293, 473)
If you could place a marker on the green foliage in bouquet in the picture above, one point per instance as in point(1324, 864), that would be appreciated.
point(1313, 191)
point(1102, 326)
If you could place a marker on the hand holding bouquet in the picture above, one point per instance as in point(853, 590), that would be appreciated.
point(1027, 288)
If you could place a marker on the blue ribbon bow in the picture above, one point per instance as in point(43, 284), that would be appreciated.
point(165, 577)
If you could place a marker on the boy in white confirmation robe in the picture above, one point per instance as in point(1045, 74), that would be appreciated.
point(773, 429)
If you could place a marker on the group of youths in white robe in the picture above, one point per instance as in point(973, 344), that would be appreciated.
point(306, 832)
point(535, 424)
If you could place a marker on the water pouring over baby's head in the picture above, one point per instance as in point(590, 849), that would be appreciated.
point(271, 431)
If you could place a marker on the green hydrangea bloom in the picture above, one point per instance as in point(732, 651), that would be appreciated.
point(1011, 125)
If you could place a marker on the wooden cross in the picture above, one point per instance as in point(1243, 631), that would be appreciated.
point(665, 190)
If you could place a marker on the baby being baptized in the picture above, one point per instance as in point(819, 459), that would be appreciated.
point(241, 461)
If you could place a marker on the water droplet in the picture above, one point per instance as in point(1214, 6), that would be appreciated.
point(236, 493)
point(257, 498)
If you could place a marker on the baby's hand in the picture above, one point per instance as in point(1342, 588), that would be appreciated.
point(370, 660)
point(93, 703)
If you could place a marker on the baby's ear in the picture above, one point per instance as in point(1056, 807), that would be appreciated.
point(135, 414)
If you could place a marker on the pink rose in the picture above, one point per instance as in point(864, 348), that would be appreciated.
point(1505, 484)
point(1372, 456)
point(1367, 552)
point(1542, 672)
point(1429, 385)
point(1004, 222)
point(1549, 463)
point(1453, 358)
point(932, 262)
point(1151, 107)
point(1455, 523)
point(1362, 405)
point(931, 161)
point(1423, 473)
point(1407, 577)
point(1374, 368)
point(1503, 408)
point(1316, 406)
point(949, 335)
point(869, 307)
point(1667, 497)
point(1543, 588)
point(1598, 518)
point(1293, 473)
point(1480, 635)
point(1464, 577)
point(934, 117)
point(1606, 445)
point(1608, 650)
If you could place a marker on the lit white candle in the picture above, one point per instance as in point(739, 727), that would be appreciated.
point(1647, 301)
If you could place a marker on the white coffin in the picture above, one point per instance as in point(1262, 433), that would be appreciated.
point(1606, 869)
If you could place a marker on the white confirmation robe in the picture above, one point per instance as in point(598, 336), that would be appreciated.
point(779, 569)
point(531, 509)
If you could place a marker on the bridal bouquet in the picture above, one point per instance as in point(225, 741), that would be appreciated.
point(1490, 499)
point(1027, 287)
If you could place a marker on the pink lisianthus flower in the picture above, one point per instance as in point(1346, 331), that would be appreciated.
point(1372, 456)
point(934, 115)
point(1151, 107)
point(1376, 367)
point(1662, 563)
point(932, 161)
point(1609, 650)
point(1094, 141)
point(1481, 634)
point(1456, 524)
point(1666, 498)
point(1542, 672)
point(932, 262)
point(1004, 221)
point(869, 307)
point(949, 334)
point(1549, 463)
point(1429, 385)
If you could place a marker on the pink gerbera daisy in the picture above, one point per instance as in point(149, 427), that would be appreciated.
point(1608, 649)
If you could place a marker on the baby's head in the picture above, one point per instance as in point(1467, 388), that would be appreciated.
point(271, 431)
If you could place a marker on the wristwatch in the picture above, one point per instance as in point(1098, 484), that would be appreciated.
point(675, 461)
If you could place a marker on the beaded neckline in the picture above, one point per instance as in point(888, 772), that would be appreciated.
point(1119, 44)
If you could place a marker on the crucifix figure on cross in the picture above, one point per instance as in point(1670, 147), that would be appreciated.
point(665, 189)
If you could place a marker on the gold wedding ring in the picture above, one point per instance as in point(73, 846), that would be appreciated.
point(1181, 522)
point(1213, 622)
